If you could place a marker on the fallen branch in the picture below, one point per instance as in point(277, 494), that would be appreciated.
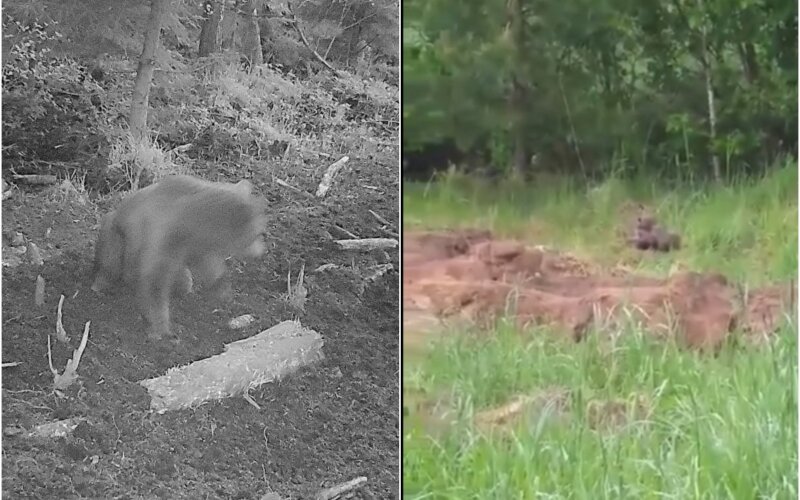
point(244, 365)
point(325, 267)
point(345, 231)
point(385, 230)
point(330, 174)
point(36, 180)
point(380, 219)
point(335, 491)
point(10, 364)
point(289, 186)
point(367, 244)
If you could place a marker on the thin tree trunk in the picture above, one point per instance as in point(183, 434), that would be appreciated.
point(251, 36)
point(517, 99)
point(230, 18)
point(212, 14)
point(747, 55)
point(341, 21)
point(712, 114)
point(144, 73)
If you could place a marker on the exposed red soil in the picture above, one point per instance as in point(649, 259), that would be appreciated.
point(471, 276)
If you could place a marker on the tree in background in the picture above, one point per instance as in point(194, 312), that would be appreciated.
point(683, 88)
point(211, 15)
point(144, 76)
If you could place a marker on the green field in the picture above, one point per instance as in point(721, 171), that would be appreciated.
point(691, 425)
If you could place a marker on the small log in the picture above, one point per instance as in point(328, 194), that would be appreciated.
point(367, 244)
point(36, 180)
point(327, 179)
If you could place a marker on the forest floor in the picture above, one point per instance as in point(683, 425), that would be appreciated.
point(544, 355)
point(323, 425)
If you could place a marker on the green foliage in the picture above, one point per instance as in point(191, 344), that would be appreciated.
point(38, 84)
point(609, 84)
point(25, 68)
point(701, 419)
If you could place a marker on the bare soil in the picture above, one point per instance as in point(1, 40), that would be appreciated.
point(470, 276)
point(326, 424)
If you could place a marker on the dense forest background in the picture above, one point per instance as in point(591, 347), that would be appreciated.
point(684, 88)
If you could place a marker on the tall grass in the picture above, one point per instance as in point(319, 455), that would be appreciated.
point(723, 427)
point(746, 229)
point(720, 426)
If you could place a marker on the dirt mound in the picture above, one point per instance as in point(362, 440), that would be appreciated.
point(470, 276)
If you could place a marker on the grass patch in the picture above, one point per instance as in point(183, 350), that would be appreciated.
point(746, 229)
point(718, 427)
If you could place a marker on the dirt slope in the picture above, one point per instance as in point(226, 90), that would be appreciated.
point(471, 276)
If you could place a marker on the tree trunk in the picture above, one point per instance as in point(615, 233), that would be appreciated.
point(517, 99)
point(251, 35)
point(144, 73)
point(521, 156)
point(712, 114)
point(228, 24)
point(747, 55)
point(212, 14)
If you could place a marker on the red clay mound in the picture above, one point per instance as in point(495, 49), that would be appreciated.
point(470, 276)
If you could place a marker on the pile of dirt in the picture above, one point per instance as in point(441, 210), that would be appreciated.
point(469, 275)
